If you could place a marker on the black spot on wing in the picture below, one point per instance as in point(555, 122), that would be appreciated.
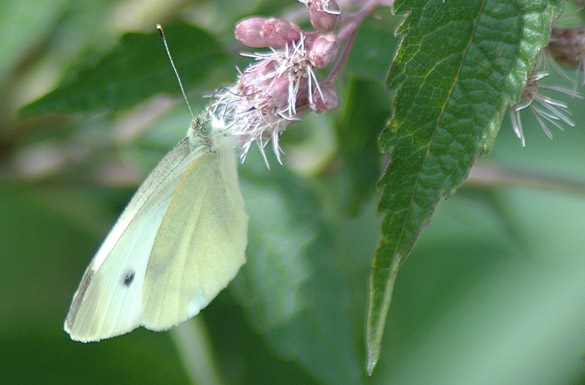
point(128, 278)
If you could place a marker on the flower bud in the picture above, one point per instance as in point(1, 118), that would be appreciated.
point(567, 46)
point(256, 77)
point(278, 92)
point(248, 31)
point(326, 100)
point(325, 15)
point(324, 51)
point(302, 94)
point(261, 32)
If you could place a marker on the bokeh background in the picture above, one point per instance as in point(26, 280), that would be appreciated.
point(493, 293)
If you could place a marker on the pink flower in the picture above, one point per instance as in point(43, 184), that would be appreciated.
point(324, 51)
point(261, 32)
point(325, 14)
point(325, 99)
point(280, 86)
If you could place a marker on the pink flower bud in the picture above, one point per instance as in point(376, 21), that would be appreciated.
point(281, 32)
point(278, 92)
point(248, 30)
point(324, 51)
point(326, 100)
point(302, 95)
point(261, 76)
point(325, 15)
point(261, 32)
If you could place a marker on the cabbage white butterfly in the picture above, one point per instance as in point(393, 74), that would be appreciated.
point(180, 240)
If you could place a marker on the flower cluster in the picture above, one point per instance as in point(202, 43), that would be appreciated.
point(281, 85)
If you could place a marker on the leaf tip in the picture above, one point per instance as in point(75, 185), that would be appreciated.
point(373, 356)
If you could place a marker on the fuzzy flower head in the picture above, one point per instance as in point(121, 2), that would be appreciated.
point(545, 109)
point(280, 86)
point(567, 47)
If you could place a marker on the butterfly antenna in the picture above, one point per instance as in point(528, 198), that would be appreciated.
point(164, 39)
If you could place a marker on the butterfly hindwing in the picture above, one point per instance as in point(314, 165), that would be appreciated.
point(188, 268)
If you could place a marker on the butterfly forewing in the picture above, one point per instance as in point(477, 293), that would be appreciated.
point(105, 304)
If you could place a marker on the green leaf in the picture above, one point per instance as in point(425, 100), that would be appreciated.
point(135, 70)
point(292, 286)
point(365, 112)
point(234, 341)
point(459, 66)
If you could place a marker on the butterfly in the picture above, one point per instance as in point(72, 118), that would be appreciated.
point(179, 242)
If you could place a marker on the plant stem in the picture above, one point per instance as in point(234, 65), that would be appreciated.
point(348, 34)
point(194, 349)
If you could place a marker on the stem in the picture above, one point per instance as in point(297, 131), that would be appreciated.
point(194, 349)
point(356, 19)
point(489, 176)
point(348, 34)
point(330, 79)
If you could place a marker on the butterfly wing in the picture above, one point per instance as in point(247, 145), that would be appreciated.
point(201, 242)
point(108, 300)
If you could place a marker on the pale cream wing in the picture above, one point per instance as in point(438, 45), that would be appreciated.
point(108, 301)
point(201, 242)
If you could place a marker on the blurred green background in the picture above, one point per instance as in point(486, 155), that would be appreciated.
point(494, 292)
